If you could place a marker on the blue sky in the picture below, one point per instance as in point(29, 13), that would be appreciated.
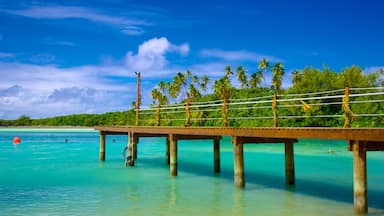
point(65, 57)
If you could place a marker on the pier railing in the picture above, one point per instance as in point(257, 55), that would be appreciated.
point(327, 108)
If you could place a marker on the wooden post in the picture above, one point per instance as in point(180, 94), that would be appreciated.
point(216, 154)
point(173, 154)
point(138, 99)
point(167, 159)
point(131, 161)
point(289, 164)
point(360, 176)
point(238, 162)
point(348, 115)
point(188, 111)
point(158, 120)
point(274, 109)
point(225, 112)
point(135, 142)
point(102, 146)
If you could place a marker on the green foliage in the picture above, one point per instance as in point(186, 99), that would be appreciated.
point(306, 80)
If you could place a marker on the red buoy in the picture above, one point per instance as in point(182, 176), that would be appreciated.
point(16, 140)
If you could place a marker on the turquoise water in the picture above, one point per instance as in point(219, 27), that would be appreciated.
point(45, 175)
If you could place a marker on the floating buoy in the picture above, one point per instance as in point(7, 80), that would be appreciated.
point(16, 140)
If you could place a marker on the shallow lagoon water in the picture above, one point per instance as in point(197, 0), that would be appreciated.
point(58, 172)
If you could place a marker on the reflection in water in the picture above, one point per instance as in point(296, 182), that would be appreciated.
point(289, 203)
point(172, 193)
point(238, 201)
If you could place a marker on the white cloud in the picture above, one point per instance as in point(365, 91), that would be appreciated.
point(237, 55)
point(41, 89)
point(61, 43)
point(48, 90)
point(6, 55)
point(373, 69)
point(151, 58)
point(130, 26)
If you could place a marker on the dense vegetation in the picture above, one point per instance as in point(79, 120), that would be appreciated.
point(188, 88)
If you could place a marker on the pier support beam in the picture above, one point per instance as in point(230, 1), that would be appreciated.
point(238, 161)
point(167, 159)
point(134, 147)
point(360, 176)
point(289, 164)
point(216, 154)
point(173, 154)
point(131, 161)
point(102, 146)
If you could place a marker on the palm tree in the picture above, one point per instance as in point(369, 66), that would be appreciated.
point(222, 89)
point(228, 71)
point(193, 92)
point(159, 99)
point(263, 65)
point(195, 79)
point(278, 73)
point(204, 83)
point(256, 79)
point(296, 76)
point(242, 77)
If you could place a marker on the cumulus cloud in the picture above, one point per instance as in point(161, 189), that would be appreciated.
point(237, 55)
point(151, 55)
point(11, 91)
point(48, 90)
point(43, 89)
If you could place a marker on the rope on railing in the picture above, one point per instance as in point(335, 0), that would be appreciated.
point(278, 103)
point(312, 93)
point(368, 88)
point(256, 98)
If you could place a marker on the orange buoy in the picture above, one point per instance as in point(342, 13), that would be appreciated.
point(16, 140)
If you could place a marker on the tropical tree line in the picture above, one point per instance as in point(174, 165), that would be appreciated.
point(186, 87)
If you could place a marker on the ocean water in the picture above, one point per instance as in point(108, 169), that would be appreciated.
point(58, 172)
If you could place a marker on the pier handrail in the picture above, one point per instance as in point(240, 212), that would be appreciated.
point(284, 101)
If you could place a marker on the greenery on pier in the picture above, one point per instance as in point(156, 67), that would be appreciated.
point(185, 87)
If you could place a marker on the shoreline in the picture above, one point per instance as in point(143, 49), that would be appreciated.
point(47, 128)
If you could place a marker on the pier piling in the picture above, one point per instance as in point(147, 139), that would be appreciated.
point(102, 146)
point(134, 149)
point(360, 176)
point(238, 161)
point(131, 162)
point(216, 154)
point(289, 164)
point(167, 158)
point(173, 154)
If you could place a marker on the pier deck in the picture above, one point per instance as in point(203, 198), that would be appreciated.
point(360, 140)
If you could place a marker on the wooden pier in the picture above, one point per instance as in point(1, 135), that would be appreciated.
point(360, 140)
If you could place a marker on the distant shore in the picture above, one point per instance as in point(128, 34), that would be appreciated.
point(46, 128)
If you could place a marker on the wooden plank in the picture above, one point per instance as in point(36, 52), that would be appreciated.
point(256, 140)
point(195, 137)
point(364, 134)
point(375, 146)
